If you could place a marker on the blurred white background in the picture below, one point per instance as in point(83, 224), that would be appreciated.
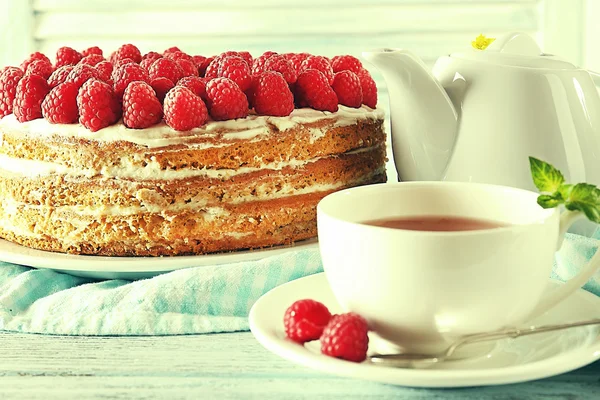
point(568, 28)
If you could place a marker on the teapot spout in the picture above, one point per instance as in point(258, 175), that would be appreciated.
point(423, 118)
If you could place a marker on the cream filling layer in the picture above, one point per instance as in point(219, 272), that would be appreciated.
point(12, 167)
point(253, 127)
point(11, 207)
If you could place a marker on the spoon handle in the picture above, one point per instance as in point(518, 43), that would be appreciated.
point(516, 332)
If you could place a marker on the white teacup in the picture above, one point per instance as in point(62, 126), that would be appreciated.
point(421, 289)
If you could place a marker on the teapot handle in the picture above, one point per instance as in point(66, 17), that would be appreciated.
point(595, 77)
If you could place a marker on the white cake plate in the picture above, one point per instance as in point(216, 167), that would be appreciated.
point(131, 268)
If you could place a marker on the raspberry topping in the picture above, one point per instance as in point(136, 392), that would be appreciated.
point(30, 93)
point(161, 86)
point(127, 51)
point(59, 76)
point(345, 337)
point(171, 50)
point(319, 63)
point(92, 50)
point(202, 67)
point(312, 89)
point(92, 59)
point(272, 95)
point(348, 89)
point(9, 80)
point(165, 68)
point(280, 64)
point(226, 100)
point(60, 105)
point(98, 105)
point(81, 73)
point(188, 67)
point(184, 110)
point(369, 89)
point(126, 74)
point(236, 69)
point(105, 69)
point(346, 63)
point(196, 84)
point(34, 56)
point(296, 59)
point(40, 67)
point(258, 65)
point(67, 56)
point(305, 320)
point(141, 108)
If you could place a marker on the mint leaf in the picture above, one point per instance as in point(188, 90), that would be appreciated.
point(550, 200)
point(545, 177)
point(585, 198)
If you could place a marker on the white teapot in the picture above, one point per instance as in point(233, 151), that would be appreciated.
point(480, 114)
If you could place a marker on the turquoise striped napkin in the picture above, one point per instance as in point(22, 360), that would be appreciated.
point(189, 301)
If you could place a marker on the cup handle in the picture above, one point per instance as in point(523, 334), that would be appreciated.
point(567, 218)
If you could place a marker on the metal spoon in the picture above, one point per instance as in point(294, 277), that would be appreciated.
point(409, 360)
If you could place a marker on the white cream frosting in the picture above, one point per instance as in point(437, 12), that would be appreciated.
point(252, 127)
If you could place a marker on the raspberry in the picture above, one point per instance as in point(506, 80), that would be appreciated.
point(202, 68)
point(141, 108)
point(319, 63)
point(212, 70)
point(312, 89)
point(258, 65)
point(296, 59)
point(60, 105)
point(184, 110)
point(188, 68)
point(179, 55)
point(272, 95)
point(59, 76)
point(126, 74)
point(67, 56)
point(198, 60)
point(119, 63)
point(161, 86)
point(345, 337)
point(98, 105)
point(81, 73)
point(92, 59)
point(225, 99)
point(246, 56)
point(30, 93)
point(9, 80)
point(236, 69)
point(346, 63)
point(105, 69)
point(196, 84)
point(165, 68)
point(92, 50)
point(41, 68)
point(305, 320)
point(171, 50)
point(127, 51)
point(280, 64)
point(34, 56)
point(152, 55)
point(147, 62)
point(369, 89)
point(347, 88)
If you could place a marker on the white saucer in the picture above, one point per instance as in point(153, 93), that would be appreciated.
point(99, 267)
point(511, 360)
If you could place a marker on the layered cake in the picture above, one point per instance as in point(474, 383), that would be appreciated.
point(187, 155)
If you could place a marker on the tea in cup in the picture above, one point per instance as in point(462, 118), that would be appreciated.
point(426, 262)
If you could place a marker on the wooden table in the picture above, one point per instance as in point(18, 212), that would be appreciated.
point(228, 366)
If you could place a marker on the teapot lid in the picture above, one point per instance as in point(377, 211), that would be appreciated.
point(515, 49)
